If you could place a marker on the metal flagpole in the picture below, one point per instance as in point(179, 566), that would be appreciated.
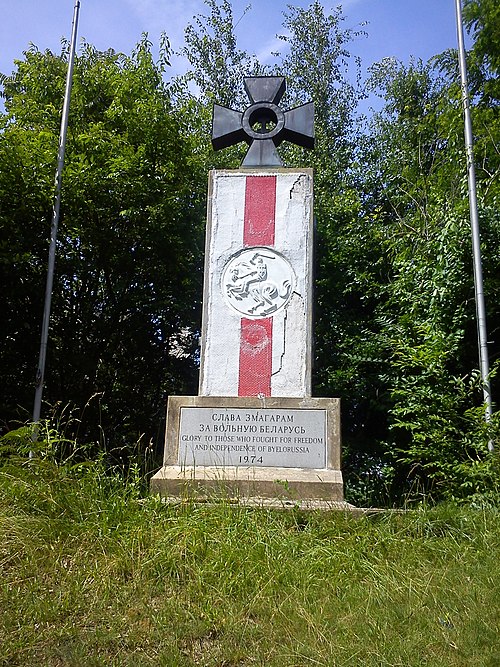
point(40, 375)
point(474, 219)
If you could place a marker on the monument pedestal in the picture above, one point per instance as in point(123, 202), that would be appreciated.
point(250, 448)
point(254, 431)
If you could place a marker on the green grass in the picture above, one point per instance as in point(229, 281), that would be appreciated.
point(93, 574)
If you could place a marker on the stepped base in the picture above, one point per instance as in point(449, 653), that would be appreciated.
point(282, 484)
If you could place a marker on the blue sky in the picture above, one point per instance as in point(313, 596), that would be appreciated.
point(400, 28)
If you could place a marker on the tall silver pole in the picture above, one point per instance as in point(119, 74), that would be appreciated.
point(474, 219)
point(40, 374)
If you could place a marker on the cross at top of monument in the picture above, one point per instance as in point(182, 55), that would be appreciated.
point(263, 125)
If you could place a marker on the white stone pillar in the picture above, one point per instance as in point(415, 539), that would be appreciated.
point(257, 323)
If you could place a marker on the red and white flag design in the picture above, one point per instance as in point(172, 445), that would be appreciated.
point(257, 315)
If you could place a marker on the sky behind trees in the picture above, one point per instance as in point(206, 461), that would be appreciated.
point(400, 28)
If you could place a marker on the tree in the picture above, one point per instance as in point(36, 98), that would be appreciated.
point(395, 322)
point(437, 441)
point(482, 18)
point(216, 71)
point(350, 265)
point(126, 301)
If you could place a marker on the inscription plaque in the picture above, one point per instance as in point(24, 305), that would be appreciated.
point(252, 437)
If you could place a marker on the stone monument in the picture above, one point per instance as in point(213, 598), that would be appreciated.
point(254, 431)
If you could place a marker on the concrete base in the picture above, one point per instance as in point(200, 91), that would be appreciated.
point(275, 504)
point(227, 421)
point(291, 484)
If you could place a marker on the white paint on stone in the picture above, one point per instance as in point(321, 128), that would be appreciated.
point(257, 282)
point(292, 336)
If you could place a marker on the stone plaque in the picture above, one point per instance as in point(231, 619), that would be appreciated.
point(284, 438)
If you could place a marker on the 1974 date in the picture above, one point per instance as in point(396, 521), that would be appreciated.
point(251, 459)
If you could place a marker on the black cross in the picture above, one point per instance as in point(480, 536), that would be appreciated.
point(263, 125)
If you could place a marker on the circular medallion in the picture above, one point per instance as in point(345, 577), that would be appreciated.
point(257, 282)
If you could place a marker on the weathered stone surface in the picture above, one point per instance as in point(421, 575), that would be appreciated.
point(258, 283)
point(318, 476)
point(242, 436)
point(283, 483)
point(255, 432)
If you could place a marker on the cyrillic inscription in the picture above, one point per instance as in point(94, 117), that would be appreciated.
point(252, 437)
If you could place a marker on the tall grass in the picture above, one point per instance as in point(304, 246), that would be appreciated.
point(94, 572)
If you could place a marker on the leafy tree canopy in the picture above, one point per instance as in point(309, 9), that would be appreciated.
point(395, 317)
point(128, 278)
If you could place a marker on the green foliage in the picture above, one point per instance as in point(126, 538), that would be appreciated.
point(216, 68)
point(127, 289)
point(482, 18)
point(349, 259)
point(217, 64)
point(395, 316)
point(93, 574)
point(317, 64)
point(427, 322)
